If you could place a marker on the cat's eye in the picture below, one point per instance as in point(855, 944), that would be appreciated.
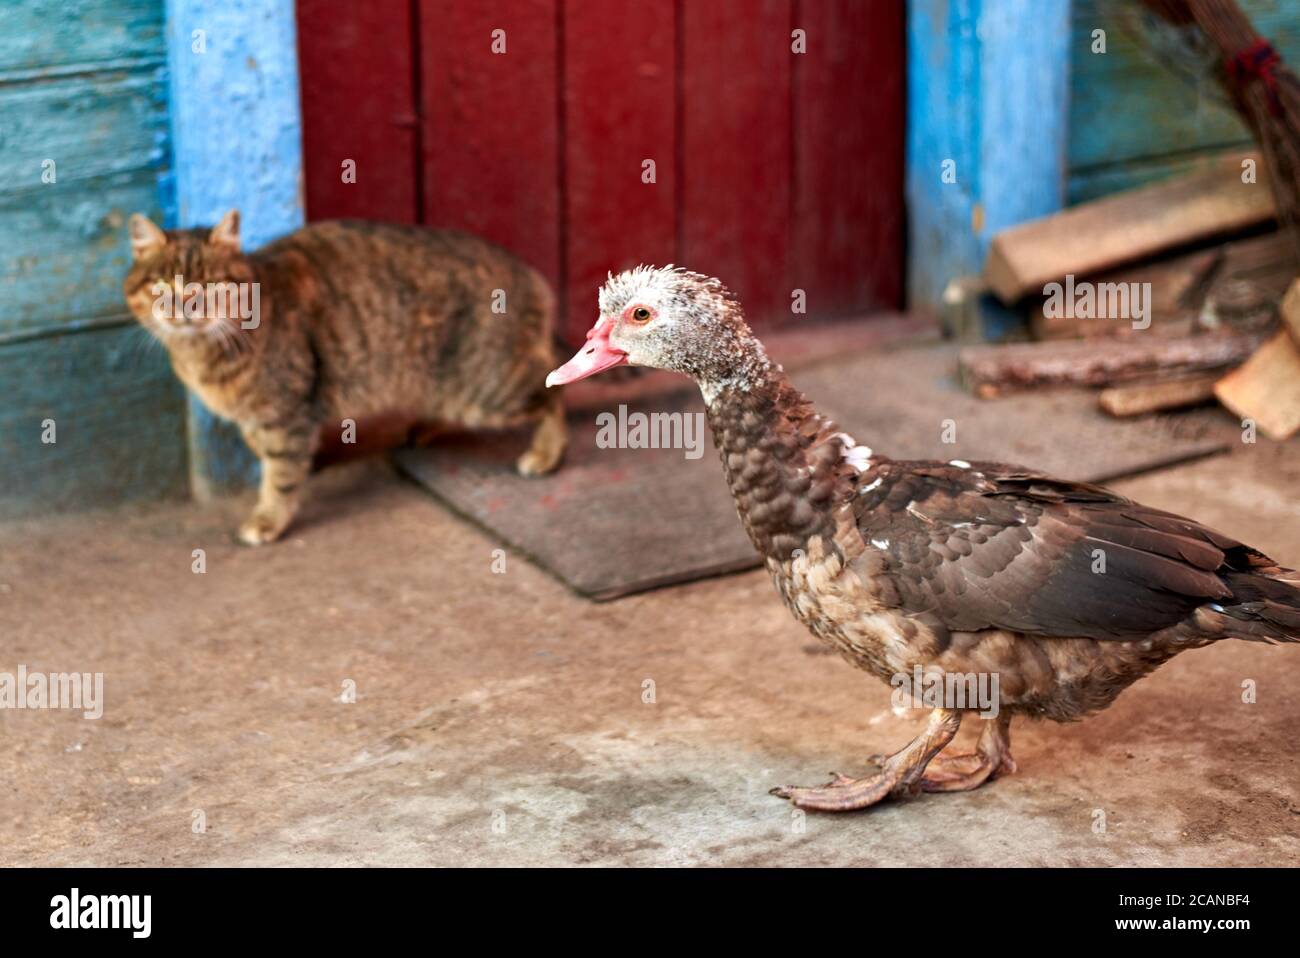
point(641, 314)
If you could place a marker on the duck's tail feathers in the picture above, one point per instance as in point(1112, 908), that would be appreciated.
point(1264, 607)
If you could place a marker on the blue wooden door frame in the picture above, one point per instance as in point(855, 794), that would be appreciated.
point(237, 135)
point(988, 90)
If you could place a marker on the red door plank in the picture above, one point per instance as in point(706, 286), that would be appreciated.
point(358, 104)
point(848, 155)
point(490, 135)
point(619, 62)
point(735, 127)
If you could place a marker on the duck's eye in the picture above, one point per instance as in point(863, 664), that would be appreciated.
point(641, 314)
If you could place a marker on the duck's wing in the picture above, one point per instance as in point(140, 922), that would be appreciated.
point(971, 546)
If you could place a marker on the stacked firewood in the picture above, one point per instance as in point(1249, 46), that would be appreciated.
point(1164, 296)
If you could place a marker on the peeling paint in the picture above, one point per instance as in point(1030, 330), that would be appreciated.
point(238, 140)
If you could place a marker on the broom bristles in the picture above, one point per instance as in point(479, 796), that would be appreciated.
point(1269, 101)
point(1175, 11)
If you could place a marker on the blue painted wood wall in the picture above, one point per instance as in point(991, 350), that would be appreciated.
point(1137, 114)
point(115, 94)
point(83, 83)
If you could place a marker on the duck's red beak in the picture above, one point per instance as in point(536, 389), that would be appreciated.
point(597, 356)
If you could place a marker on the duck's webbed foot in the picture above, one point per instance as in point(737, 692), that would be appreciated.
point(965, 771)
point(900, 773)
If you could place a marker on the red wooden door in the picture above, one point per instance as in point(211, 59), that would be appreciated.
point(592, 135)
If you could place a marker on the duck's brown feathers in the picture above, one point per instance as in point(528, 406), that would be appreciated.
point(1067, 591)
point(990, 545)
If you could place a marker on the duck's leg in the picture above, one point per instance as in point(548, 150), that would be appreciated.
point(963, 772)
point(900, 773)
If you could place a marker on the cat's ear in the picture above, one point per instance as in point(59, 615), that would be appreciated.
point(226, 233)
point(145, 236)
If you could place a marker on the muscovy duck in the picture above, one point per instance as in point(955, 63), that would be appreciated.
point(963, 567)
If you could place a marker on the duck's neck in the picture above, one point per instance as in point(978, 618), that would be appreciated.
point(791, 472)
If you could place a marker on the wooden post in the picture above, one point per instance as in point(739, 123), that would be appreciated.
point(988, 90)
point(237, 138)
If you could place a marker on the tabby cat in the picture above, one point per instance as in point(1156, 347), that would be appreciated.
point(343, 320)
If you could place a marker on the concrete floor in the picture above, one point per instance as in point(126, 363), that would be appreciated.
point(499, 720)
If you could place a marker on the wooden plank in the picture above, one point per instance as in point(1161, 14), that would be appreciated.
point(848, 164)
point(46, 35)
point(119, 422)
point(736, 141)
point(1290, 311)
point(65, 249)
point(1266, 388)
point(1255, 274)
point(1125, 227)
point(619, 62)
point(89, 125)
point(990, 371)
point(359, 55)
point(1142, 398)
point(491, 125)
point(1177, 286)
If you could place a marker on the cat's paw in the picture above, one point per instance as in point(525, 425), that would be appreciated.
point(261, 529)
point(537, 462)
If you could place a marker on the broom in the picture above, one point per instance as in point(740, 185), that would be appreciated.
point(1267, 95)
point(1265, 92)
